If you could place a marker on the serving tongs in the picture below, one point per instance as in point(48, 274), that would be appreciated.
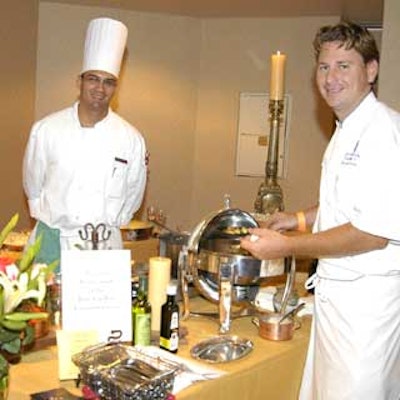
point(195, 376)
point(181, 367)
point(289, 284)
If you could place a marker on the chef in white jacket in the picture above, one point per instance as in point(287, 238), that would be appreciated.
point(354, 351)
point(85, 164)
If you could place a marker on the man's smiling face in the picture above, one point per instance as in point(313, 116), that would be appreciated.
point(343, 78)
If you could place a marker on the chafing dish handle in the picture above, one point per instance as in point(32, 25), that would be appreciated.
point(225, 296)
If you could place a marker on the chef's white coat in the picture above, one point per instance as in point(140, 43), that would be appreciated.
point(74, 175)
point(354, 351)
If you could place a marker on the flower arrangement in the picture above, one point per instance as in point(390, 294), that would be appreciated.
point(22, 292)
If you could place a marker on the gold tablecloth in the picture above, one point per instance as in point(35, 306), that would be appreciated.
point(271, 371)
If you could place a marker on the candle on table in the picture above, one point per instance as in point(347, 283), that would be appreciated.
point(278, 61)
point(159, 277)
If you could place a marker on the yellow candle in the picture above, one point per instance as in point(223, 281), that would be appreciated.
point(278, 61)
point(159, 277)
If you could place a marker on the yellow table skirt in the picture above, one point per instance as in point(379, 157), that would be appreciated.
point(271, 371)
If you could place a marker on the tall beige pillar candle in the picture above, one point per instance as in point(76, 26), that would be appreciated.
point(277, 83)
point(159, 277)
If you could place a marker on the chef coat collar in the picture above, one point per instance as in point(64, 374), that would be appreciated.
point(99, 123)
point(360, 113)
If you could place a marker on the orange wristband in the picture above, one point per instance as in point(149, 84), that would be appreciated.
point(301, 221)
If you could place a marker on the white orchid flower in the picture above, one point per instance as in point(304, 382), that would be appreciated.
point(15, 291)
point(23, 281)
point(12, 271)
point(37, 269)
point(41, 284)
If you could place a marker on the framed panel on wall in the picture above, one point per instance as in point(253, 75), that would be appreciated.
point(254, 132)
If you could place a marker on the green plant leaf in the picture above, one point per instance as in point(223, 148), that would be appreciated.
point(25, 316)
point(1, 301)
point(13, 346)
point(3, 365)
point(48, 270)
point(4, 379)
point(29, 336)
point(6, 335)
point(51, 267)
point(13, 325)
point(8, 228)
point(29, 254)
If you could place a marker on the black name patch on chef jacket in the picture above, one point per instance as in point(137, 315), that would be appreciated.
point(121, 160)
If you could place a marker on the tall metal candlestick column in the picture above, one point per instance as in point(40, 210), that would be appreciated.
point(270, 196)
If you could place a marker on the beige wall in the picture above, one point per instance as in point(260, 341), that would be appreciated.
point(235, 57)
point(389, 81)
point(181, 88)
point(18, 22)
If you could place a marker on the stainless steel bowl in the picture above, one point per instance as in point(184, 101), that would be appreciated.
point(222, 349)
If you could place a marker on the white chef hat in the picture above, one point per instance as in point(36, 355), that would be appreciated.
point(104, 46)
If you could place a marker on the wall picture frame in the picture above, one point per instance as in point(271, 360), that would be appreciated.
point(254, 132)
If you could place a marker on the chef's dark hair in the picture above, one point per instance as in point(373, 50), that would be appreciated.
point(351, 36)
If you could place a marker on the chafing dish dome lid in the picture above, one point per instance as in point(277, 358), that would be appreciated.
point(228, 224)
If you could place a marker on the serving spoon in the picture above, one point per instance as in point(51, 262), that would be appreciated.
point(292, 312)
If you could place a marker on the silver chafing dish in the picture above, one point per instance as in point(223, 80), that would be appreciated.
point(220, 269)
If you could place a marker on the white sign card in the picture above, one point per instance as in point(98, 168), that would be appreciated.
point(68, 344)
point(96, 293)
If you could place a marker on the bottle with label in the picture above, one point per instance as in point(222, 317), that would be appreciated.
point(169, 329)
point(141, 315)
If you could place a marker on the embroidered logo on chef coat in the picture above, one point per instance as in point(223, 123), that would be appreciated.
point(351, 158)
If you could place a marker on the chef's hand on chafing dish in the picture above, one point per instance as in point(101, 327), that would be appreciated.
point(266, 244)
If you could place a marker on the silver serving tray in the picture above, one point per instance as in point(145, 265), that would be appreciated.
point(222, 349)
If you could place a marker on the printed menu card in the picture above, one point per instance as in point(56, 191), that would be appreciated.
point(96, 293)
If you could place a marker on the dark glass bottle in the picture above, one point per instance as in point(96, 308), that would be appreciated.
point(169, 329)
point(141, 315)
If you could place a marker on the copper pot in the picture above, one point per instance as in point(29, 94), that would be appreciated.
point(272, 327)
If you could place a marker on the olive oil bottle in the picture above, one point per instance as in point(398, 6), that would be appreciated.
point(169, 329)
point(141, 315)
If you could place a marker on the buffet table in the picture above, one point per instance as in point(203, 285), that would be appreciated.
point(272, 370)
